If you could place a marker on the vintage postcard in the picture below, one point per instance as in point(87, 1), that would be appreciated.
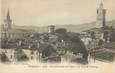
point(57, 36)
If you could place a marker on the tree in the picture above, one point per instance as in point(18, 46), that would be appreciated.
point(112, 36)
point(61, 30)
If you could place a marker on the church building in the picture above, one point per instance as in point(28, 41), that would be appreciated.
point(8, 30)
point(6, 27)
point(101, 30)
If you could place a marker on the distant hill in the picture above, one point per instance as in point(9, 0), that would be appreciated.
point(72, 28)
point(111, 23)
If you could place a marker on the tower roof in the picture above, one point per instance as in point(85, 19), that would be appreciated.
point(101, 5)
point(8, 15)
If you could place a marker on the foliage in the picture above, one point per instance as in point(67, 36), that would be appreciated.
point(61, 31)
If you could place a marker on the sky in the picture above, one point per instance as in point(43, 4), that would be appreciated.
point(57, 12)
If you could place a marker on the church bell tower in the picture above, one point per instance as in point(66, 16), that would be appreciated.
point(8, 21)
point(101, 16)
point(6, 27)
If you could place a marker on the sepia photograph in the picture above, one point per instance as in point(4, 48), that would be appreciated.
point(68, 36)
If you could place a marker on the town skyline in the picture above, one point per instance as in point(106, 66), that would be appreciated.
point(40, 13)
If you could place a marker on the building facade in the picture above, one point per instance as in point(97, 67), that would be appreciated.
point(101, 16)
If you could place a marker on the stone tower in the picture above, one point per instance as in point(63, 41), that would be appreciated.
point(6, 27)
point(51, 29)
point(101, 16)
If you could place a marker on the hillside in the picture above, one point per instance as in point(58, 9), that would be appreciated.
point(72, 28)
